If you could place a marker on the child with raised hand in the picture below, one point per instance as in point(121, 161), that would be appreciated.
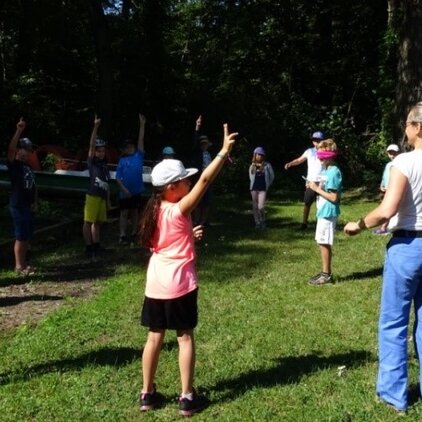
point(97, 199)
point(328, 190)
point(172, 284)
point(261, 176)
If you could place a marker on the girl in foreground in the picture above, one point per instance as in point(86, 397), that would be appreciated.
point(172, 285)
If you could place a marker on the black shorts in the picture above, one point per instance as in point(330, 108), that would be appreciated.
point(309, 197)
point(131, 203)
point(173, 314)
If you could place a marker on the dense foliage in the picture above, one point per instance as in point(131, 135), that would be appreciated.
point(275, 70)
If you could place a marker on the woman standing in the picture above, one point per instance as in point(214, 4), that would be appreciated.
point(402, 278)
point(261, 176)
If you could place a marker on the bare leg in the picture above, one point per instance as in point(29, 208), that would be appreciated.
point(86, 231)
point(95, 232)
point(306, 210)
point(326, 258)
point(134, 218)
point(186, 359)
point(123, 222)
point(150, 358)
point(20, 249)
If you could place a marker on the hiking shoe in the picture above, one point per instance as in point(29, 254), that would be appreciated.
point(322, 278)
point(25, 272)
point(189, 407)
point(149, 401)
point(123, 240)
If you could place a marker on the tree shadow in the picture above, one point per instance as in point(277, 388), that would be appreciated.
point(16, 300)
point(287, 370)
point(359, 275)
point(104, 357)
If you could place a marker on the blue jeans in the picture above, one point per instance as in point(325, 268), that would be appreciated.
point(402, 284)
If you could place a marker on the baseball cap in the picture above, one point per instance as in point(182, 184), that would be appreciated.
point(259, 150)
point(318, 135)
point(168, 151)
point(25, 143)
point(99, 143)
point(204, 138)
point(393, 147)
point(170, 171)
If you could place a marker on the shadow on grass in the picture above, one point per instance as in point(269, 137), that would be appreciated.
point(104, 357)
point(359, 275)
point(16, 300)
point(287, 370)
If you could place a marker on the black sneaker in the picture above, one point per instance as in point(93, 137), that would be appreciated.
point(323, 278)
point(303, 226)
point(189, 407)
point(149, 401)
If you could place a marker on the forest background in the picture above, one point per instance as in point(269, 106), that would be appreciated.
point(274, 70)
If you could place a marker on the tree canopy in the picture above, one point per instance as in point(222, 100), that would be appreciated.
point(274, 69)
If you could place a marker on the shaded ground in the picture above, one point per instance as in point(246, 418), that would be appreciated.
point(63, 272)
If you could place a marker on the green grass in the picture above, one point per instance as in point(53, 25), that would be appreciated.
point(268, 345)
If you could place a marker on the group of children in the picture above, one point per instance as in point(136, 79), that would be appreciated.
point(166, 228)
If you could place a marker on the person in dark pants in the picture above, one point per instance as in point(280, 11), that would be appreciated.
point(23, 197)
point(314, 169)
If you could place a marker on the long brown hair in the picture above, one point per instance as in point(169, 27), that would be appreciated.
point(148, 222)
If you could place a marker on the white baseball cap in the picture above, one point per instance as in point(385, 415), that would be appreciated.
point(170, 171)
point(393, 147)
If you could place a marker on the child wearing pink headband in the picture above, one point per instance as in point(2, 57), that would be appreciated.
point(328, 190)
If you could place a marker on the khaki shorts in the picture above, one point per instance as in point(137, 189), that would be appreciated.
point(95, 210)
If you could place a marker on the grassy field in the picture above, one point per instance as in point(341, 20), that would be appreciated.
point(269, 346)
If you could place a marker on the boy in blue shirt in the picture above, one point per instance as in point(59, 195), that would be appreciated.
point(129, 178)
point(328, 190)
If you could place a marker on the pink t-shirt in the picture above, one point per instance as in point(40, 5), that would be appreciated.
point(171, 270)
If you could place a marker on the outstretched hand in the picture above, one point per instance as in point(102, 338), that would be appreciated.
point(229, 138)
point(199, 122)
point(21, 124)
point(97, 121)
point(352, 228)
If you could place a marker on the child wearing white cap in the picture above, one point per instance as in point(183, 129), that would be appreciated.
point(392, 151)
point(172, 286)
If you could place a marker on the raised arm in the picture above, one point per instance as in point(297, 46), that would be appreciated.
point(20, 127)
point(141, 136)
point(189, 202)
point(93, 139)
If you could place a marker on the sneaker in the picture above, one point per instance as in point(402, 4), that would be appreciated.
point(123, 240)
point(303, 226)
point(322, 278)
point(315, 277)
point(25, 272)
point(149, 401)
point(399, 412)
point(189, 407)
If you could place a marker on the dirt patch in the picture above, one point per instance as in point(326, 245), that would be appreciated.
point(27, 303)
point(60, 275)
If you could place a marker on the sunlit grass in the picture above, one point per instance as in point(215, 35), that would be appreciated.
point(269, 345)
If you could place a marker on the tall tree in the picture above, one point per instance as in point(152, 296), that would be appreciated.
point(409, 84)
point(105, 65)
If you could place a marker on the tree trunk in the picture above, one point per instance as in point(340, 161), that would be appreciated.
point(409, 84)
point(105, 67)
